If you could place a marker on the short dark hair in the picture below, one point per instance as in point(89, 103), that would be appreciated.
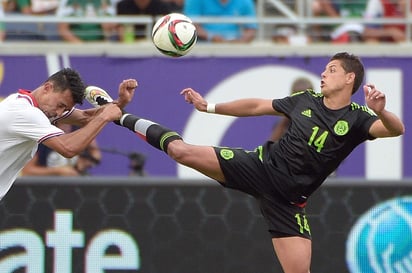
point(70, 79)
point(351, 63)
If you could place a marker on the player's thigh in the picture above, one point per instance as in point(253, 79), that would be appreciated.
point(200, 158)
point(294, 253)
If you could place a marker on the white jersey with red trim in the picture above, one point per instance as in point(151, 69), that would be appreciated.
point(23, 127)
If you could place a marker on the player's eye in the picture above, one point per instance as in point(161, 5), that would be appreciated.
point(62, 106)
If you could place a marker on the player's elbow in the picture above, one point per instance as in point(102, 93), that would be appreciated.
point(401, 131)
point(68, 152)
point(178, 152)
point(395, 132)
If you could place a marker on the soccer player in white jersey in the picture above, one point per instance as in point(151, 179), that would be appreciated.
point(27, 118)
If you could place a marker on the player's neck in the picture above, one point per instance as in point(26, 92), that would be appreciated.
point(337, 102)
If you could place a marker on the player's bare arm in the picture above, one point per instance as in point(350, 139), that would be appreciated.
point(388, 125)
point(246, 107)
point(75, 142)
point(237, 108)
point(79, 117)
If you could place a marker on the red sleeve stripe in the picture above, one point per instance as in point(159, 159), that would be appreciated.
point(28, 98)
point(65, 115)
point(49, 136)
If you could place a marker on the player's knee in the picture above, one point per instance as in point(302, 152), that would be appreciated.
point(177, 150)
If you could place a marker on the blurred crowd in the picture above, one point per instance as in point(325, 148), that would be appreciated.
point(351, 31)
point(362, 22)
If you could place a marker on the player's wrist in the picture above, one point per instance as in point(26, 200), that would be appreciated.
point(211, 108)
point(121, 120)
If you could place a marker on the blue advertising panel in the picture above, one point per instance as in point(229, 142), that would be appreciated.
point(381, 239)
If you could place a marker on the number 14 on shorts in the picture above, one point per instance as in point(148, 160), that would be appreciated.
point(303, 223)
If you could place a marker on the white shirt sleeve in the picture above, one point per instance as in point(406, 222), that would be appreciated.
point(33, 124)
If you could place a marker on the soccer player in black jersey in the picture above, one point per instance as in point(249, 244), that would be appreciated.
point(325, 127)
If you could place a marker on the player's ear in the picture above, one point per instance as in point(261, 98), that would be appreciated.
point(48, 87)
point(350, 77)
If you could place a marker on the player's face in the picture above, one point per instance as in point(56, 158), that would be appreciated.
point(333, 79)
point(54, 104)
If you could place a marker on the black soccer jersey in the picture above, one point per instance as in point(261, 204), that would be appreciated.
point(317, 141)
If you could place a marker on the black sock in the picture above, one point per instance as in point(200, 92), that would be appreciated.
point(154, 134)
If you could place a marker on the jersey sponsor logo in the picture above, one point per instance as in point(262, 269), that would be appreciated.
point(341, 127)
point(227, 154)
point(307, 113)
point(380, 240)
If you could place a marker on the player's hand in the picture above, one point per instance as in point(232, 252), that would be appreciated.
point(375, 99)
point(193, 97)
point(110, 112)
point(126, 92)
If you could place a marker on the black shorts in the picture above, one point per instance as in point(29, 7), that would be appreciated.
point(244, 171)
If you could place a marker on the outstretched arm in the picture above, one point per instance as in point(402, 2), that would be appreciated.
point(388, 125)
point(237, 108)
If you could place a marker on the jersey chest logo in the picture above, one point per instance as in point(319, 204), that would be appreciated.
point(341, 127)
point(307, 113)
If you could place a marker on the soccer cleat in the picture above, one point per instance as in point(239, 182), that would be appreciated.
point(97, 96)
